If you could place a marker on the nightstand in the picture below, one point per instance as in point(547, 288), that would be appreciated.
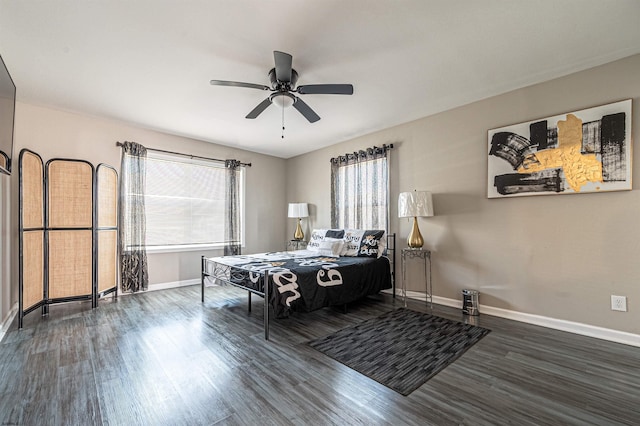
point(425, 256)
point(296, 245)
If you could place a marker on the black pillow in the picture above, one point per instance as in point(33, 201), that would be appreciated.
point(370, 244)
point(334, 233)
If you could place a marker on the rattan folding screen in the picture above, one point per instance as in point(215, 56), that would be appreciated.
point(107, 229)
point(68, 232)
point(69, 229)
point(31, 227)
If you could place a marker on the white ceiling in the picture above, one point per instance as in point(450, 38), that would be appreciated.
point(149, 62)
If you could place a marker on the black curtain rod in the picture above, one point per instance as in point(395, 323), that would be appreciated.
point(374, 148)
point(187, 155)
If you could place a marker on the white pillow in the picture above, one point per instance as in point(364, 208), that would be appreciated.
point(331, 247)
point(317, 236)
point(352, 239)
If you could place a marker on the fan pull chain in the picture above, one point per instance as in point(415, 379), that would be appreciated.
point(283, 121)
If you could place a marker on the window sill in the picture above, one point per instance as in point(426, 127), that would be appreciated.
point(184, 248)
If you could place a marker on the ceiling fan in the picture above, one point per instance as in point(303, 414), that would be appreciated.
point(283, 86)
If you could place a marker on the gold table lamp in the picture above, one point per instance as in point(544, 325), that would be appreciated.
point(415, 204)
point(298, 210)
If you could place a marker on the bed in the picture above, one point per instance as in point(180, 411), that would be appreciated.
point(338, 267)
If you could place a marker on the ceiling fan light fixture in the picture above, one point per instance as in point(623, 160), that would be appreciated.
point(283, 99)
point(283, 80)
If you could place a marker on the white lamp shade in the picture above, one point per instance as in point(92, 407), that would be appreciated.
point(298, 210)
point(415, 204)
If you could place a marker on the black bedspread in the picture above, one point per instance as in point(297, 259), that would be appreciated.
point(303, 282)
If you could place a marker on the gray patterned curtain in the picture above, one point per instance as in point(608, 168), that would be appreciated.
point(232, 232)
point(134, 271)
point(360, 189)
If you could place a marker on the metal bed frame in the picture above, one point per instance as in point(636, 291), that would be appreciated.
point(224, 273)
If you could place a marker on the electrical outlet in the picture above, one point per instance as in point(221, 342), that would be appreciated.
point(619, 303)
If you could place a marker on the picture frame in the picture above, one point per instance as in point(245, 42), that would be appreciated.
point(583, 151)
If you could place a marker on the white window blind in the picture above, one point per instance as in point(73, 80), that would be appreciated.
point(185, 202)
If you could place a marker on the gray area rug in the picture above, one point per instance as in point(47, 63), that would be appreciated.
point(400, 349)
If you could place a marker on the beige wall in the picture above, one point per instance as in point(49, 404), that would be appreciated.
point(53, 133)
point(555, 256)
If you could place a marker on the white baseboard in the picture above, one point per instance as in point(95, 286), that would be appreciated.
point(173, 284)
point(554, 323)
point(166, 286)
point(8, 320)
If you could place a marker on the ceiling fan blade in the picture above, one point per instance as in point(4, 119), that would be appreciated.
point(258, 110)
point(239, 84)
point(306, 110)
point(325, 89)
point(283, 66)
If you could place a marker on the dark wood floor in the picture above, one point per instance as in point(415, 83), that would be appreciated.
point(164, 358)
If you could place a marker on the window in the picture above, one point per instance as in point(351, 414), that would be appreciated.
point(185, 202)
point(360, 188)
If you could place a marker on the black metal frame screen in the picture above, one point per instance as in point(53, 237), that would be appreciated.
point(47, 229)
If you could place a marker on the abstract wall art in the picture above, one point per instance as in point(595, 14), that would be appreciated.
point(577, 152)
